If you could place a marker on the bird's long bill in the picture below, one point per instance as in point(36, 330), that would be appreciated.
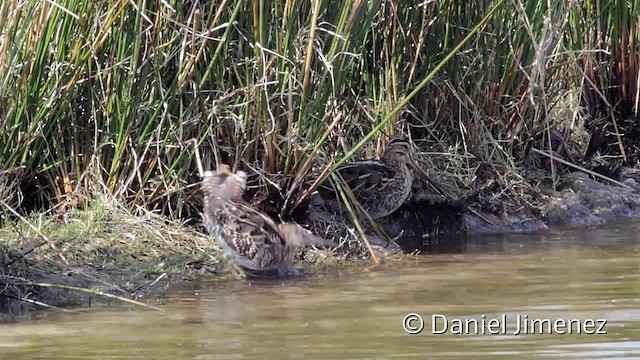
point(424, 175)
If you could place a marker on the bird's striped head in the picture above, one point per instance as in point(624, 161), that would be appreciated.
point(398, 150)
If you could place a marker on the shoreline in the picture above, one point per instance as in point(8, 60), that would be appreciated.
point(143, 256)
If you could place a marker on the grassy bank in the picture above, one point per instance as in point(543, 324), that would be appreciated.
point(104, 249)
point(129, 100)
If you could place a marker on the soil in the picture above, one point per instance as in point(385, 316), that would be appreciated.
point(579, 200)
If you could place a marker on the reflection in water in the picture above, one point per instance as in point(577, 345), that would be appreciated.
point(357, 313)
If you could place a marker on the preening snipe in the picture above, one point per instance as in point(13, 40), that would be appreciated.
point(249, 237)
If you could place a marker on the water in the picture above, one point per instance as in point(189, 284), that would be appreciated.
point(357, 313)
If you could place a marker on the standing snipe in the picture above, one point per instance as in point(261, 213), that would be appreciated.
point(246, 235)
point(381, 186)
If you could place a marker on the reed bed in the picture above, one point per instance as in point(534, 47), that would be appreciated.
point(116, 97)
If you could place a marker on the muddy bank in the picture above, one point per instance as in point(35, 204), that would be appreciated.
point(141, 256)
point(579, 200)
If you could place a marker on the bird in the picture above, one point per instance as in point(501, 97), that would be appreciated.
point(246, 235)
point(380, 186)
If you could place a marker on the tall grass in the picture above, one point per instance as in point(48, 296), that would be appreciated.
point(115, 96)
point(611, 76)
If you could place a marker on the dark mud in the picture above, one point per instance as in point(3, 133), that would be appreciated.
point(579, 200)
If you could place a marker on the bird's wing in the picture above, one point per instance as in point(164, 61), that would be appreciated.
point(253, 236)
point(362, 176)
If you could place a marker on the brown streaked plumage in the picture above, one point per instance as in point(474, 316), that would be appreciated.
point(381, 186)
point(247, 235)
point(218, 189)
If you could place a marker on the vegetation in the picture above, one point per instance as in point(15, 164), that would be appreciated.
point(129, 100)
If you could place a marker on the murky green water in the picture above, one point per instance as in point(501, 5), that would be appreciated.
point(357, 313)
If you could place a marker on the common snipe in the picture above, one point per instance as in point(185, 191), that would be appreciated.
point(381, 186)
point(246, 235)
